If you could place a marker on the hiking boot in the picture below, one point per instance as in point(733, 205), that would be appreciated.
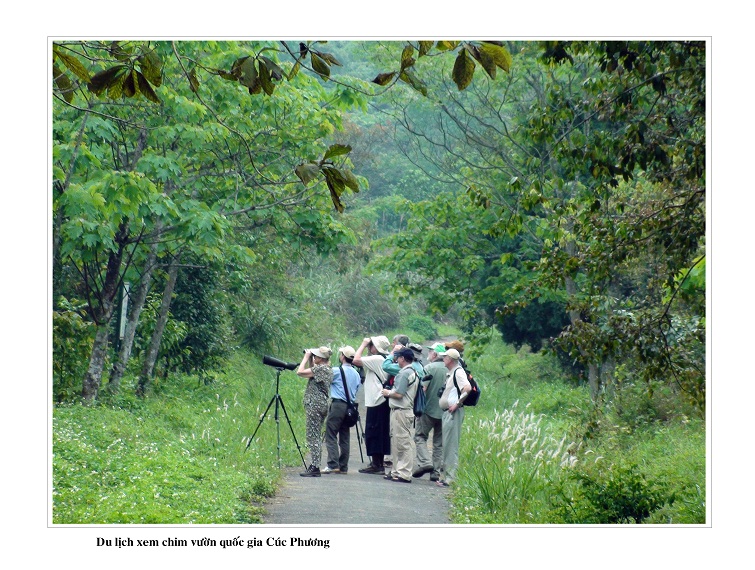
point(311, 471)
point(329, 470)
point(421, 471)
point(373, 469)
point(434, 476)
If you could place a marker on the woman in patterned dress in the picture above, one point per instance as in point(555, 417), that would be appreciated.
point(315, 366)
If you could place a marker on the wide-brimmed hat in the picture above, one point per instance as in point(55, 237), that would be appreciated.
point(322, 352)
point(416, 347)
point(438, 347)
point(381, 343)
point(455, 344)
point(347, 351)
point(453, 353)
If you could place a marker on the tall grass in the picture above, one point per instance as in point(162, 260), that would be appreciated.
point(511, 459)
point(180, 456)
point(536, 440)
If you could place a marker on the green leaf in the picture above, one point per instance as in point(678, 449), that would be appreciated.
point(330, 58)
point(275, 70)
point(145, 88)
point(408, 76)
point(101, 81)
point(463, 70)
point(319, 65)
point(265, 79)
point(336, 186)
point(151, 67)
point(307, 172)
point(246, 72)
point(499, 55)
point(384, 79)
point(407, 57)
point(349, 179)
point(72, 63)
point(194, 81)
point(445, 45)
point(64, 84)
point(336, 150)
point(425, 47)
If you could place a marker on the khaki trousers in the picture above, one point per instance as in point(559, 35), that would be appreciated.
point(402, 443)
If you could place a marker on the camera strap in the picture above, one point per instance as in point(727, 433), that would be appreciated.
point(345, 387)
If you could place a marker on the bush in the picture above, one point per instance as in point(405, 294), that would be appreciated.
point(617, 495)
point(72, 338)
point(424, 328)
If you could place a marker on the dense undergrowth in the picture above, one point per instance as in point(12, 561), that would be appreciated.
point(535, 451)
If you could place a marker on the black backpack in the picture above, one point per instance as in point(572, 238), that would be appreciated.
point(474, 394)
point(420, 401)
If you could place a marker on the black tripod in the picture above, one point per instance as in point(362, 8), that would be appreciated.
point(278, 403)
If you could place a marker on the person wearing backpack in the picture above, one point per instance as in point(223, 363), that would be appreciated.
point(452, 403)
point(431, 421)
point(401, 401)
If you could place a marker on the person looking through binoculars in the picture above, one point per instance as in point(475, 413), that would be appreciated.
point(315, 366)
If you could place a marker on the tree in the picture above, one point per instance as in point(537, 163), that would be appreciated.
point(598, 167)
point(131, 174)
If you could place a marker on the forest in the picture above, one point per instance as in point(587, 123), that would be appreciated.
point(217, 201)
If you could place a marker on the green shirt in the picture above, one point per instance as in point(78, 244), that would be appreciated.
point(438, 371)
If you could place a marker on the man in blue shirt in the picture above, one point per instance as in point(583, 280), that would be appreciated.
point(338, 436)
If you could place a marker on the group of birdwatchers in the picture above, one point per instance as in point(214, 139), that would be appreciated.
point(396, 441)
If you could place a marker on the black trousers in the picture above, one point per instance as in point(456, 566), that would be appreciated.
point(377, 430)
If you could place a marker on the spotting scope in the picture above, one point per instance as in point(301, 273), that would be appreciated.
point(275, 363)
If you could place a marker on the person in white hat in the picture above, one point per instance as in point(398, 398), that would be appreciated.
point(316, 368)
point(338, 436)
point(377, 437)
point(452, 403)
point(431, 421)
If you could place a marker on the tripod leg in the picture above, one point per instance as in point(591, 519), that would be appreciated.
point(285, 414)
point(359, 441)
point(262, 417)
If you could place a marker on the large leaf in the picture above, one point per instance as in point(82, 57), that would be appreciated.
point(407, 57)
point(145, 88)
point(497, 53)
point(463, 70)
point(275, 70)
point(246, 71)
point(101, 81)
point(63, 83)
point(336, 150)
point(384, 79)
point(151, 67)
point(319, 65)
point(408, 76)
point(330, 58)
point(72, 63)
point(307, 172)
point(425, 47)
point(265, 79)
point(336, 185)
point(445, 45)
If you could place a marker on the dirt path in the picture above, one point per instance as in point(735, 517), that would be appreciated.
point(356, 498)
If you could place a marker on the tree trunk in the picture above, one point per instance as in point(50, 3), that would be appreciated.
point(93, 375)
point(102, 316)
point(148, 366)
point(137, 304)
point(593, 370)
